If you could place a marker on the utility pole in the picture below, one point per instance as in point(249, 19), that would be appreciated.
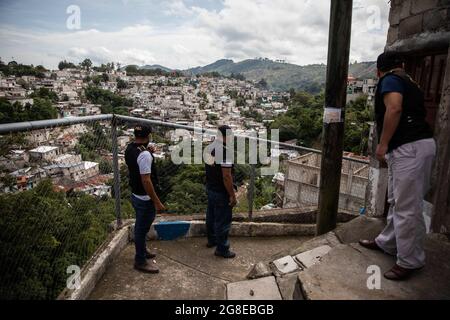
point(333, 118)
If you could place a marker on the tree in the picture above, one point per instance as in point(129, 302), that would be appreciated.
point(357, 116)
point(8, 180)
point(65, 65)
point(45, 93)
point(40, 241)
point(303, 120)
point(105, 166)
point(41, 109)
point(15, 69)
point(109, 101)
point(262, 84)
point(86, 64)
point(121, 84)
point(105, 77)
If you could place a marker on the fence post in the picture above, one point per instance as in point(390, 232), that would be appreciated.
point(251, 191)
point(115, 152)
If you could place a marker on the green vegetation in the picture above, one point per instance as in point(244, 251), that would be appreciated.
point(10, 141)
point(109, 101)
point(86, 64)
point(44, 232)
point(121, 84)
point(264, 192)
point(40, 110)
point(66, 65)
point(133, 70)
point(15, 69)
point(44, 93)
point(105, 67)
point(356, 131)
point(303, 121)
point(92, 143)
point(240, 100)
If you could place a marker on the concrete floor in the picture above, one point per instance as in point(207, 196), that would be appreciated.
point(188, 270)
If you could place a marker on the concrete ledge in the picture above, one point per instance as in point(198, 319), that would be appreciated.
point(269, 229)
point(94, 270)
point(241, 229)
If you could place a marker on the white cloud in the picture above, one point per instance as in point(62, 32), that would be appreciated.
point(294, 30)
point(177, 8)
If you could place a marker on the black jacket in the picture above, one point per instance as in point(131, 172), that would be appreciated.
point(412, 125)
point(131, 154)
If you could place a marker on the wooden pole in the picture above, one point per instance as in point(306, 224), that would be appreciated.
point(333, 122)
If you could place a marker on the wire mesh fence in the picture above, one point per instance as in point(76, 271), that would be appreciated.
point(56, 205)
point(62, 187)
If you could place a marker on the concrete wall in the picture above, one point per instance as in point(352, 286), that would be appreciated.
point(441, 174)
point(302, 183)
point(418, 24)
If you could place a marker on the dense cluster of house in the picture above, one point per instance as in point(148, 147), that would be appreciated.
point(191, 100)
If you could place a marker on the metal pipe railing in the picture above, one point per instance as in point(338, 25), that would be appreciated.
point(42, 124)
point(50, 123)
point(192, 128)
point(117, 119)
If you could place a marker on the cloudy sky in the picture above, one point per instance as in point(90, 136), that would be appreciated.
point(181, 33)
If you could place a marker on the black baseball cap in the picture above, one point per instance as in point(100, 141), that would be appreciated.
point(389, 60)
point(142, 131)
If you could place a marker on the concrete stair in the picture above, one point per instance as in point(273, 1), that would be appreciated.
point(334, 266)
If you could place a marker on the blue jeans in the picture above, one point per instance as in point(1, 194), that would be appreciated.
point(218, 220)
point(145, 215)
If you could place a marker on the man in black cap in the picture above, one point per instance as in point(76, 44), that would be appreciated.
point(406, 143)
point(220, 189)
point(143, 181)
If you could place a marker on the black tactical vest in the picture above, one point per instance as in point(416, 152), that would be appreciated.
point(131, 154)
point(412, 125)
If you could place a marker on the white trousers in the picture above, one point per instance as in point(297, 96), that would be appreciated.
point(409, 180)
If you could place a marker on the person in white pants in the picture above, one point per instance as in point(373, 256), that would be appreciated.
point(406, 144)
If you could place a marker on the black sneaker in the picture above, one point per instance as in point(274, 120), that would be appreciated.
point(210, 245)
point(150, 255)
point(227, 255)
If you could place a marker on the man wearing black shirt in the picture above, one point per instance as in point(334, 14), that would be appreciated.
point(406, 144)
point(220, 189)
point(143, 181)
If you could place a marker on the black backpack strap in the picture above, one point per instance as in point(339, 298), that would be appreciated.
point(141, 148)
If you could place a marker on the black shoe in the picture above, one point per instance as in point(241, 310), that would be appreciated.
point(210, 245)
point(150, 255)
point(228, 254)
point(147, 267)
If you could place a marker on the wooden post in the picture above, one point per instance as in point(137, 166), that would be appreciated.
point(333, 124)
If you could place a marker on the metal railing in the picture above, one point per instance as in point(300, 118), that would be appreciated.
point(118, 120)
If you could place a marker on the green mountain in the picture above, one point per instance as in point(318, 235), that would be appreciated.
point(283, 76)
point(156, 66)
